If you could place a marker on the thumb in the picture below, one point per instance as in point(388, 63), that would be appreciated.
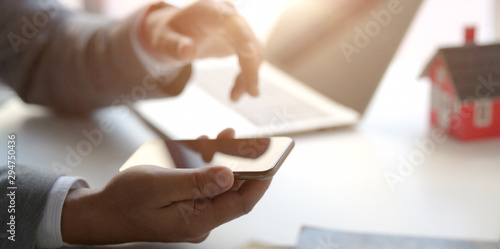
point(199, 183)
point(178, 47)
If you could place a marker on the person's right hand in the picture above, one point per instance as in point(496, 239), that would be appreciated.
point(206, 28)
point(149, 203)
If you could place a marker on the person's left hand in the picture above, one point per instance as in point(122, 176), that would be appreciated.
point(154, 204)
point(207, 28)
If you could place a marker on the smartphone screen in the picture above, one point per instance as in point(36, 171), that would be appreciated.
point(257, 158)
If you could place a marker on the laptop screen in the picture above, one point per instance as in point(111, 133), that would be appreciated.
point(340, 48)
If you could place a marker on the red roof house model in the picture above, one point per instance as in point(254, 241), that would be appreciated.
point(465, 90)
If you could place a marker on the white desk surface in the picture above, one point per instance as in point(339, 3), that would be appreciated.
point(332, 179)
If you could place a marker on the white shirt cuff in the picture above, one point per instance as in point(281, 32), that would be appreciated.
point(168, 69)
point(49, 231)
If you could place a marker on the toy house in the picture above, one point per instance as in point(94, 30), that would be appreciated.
point(465, 93)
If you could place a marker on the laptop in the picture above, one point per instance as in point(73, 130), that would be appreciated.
point(324, 61)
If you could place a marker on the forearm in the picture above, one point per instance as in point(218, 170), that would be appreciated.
point(78, 62)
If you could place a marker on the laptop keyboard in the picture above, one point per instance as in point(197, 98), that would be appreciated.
point(273, 106)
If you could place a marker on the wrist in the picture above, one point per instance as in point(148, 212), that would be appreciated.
point(79, 217)
point(94, 218)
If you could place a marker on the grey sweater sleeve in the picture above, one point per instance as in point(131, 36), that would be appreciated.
point(73, 62)
point(25, 204)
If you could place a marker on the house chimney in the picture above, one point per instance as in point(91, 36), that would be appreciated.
point(469, 35)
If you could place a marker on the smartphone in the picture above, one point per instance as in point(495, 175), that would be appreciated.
point(249, 159)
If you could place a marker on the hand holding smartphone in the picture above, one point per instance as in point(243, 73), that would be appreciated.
point(249, 159)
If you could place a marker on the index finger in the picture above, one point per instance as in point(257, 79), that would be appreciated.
point(248, 79)
point(240, 36)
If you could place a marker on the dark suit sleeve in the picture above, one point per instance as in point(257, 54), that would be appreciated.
point(73, 62)
point(26, 203)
